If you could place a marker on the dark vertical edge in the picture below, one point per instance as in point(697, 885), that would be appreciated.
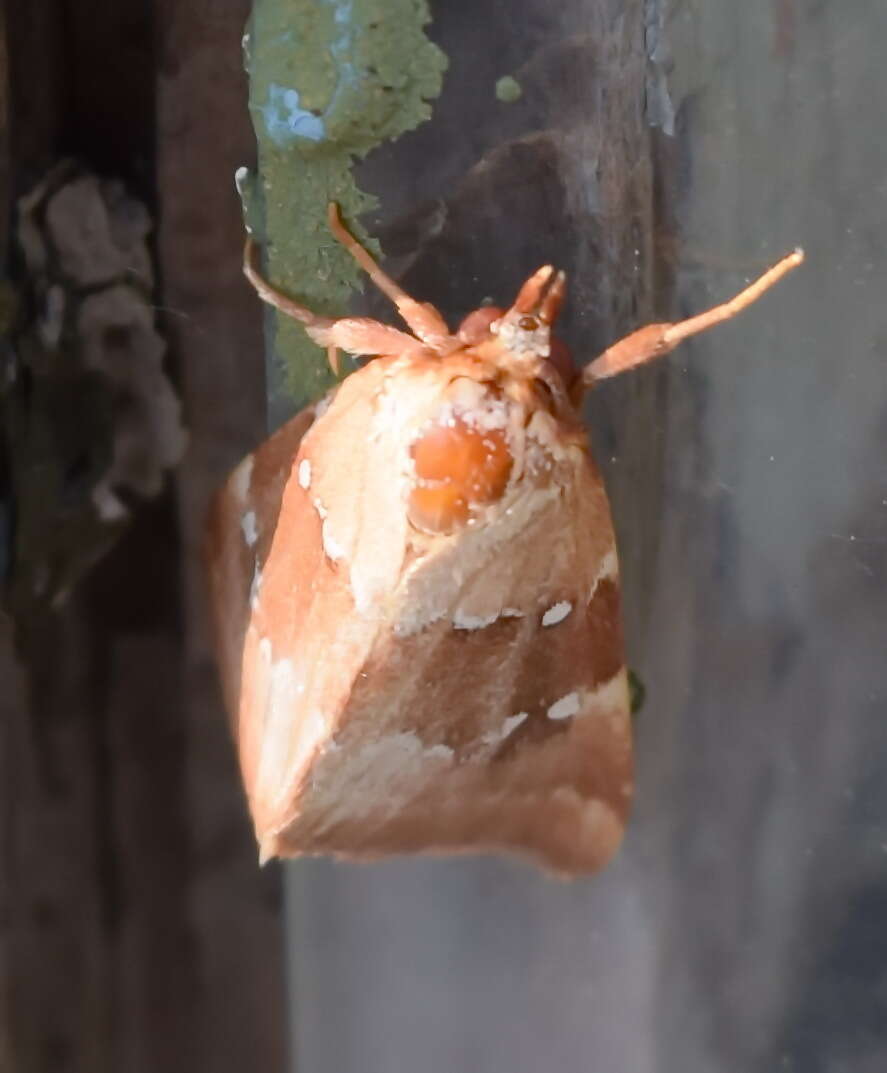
point(8, 669)
point(100, 974)
point(5, 158)
point(10, 674)
point(37, 78)
point(213, 323)
point(55, 953)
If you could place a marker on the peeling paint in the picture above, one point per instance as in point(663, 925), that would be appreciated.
point(286, 120)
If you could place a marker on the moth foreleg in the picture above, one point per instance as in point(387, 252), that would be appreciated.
point(361, 336)
point(654, 340)
point(355, 335)
point(423, 319)
point(313, 322)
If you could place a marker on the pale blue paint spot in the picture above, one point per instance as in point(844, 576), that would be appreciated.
point(286, 120)
point(346, 74)
point(284, 117)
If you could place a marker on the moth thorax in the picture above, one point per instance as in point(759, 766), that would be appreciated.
point(461, 463)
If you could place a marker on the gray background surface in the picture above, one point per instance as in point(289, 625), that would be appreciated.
point(663, 156)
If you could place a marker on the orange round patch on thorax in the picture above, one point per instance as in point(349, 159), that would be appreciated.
point(457, 468)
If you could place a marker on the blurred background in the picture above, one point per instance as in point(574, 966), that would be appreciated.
point(663, 152)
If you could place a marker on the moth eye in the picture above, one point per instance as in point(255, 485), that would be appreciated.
point(457, 468)
point(529, 324)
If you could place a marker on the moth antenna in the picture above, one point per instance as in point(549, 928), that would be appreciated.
point(653, 340)
point(423, 319)
point(316, 326)
point(676, 333)
point(551, 304)
point(530, 296)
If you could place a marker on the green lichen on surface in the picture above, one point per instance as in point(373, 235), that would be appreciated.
point(637, 692)
point(508, 90)
point(329, 81)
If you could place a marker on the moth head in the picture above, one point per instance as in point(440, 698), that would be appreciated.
point(463, 459)
point(524, 331)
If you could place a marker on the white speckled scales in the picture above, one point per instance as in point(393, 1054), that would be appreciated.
point(397, 691)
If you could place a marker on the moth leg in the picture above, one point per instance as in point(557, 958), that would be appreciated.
point(312, 321)
point(653, 340)
point(423, 319)
point(361, 336)
point(356, 335)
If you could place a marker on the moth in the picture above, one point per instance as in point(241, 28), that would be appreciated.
point(415, 588)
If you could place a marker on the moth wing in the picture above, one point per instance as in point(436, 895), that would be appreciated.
point(492, 712)
point(240, 524)
point(395, 693)
point(322, 556)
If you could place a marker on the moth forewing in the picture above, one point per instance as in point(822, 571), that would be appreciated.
point(428, 707)
point(240, 525)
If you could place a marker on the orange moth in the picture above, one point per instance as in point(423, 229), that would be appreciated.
point(416, 593)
